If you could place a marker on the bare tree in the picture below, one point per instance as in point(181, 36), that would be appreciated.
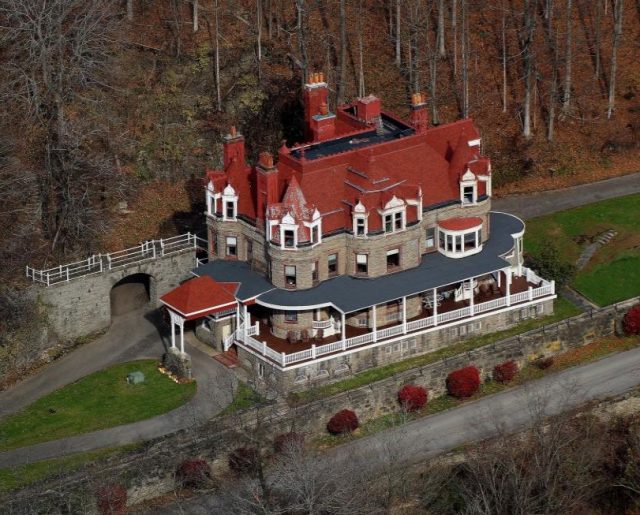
point(56, 54)
point(441, 47)
point(398, 33)
point(342, 54)
point(526, 41)
point(617, 34)
point(566, 97)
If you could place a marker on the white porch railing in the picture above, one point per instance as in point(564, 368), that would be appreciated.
point(98, 263)
point(323, 324)
point(547, 288)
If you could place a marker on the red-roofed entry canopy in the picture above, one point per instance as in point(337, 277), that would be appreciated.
point(201, 296)
point(460, 223)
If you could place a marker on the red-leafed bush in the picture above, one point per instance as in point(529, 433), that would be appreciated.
point(244, 460)
point(631, 321)
point(194, 473)
point(505, 372)
point(543, 363)
point(287, 442)
point(345, 421)
point(412, 397)
point(112, 499)
point(463, 382)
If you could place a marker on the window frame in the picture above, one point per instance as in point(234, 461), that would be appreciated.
point(358, 264)
point(288, 275)
point(391, 253)
point(333, 273)
point(291, 317)
point(228, 247)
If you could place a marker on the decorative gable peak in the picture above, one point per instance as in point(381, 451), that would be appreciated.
point(394, 202)
point(288, 219)
point(293, 197)
point(468, 176)
point(229, 191)
point(359, 208)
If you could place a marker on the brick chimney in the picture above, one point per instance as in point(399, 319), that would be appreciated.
point(233, 148)
point(368, 109)
point(316, 93)
point(323, 124)
point(267, 182)
point(419, 113)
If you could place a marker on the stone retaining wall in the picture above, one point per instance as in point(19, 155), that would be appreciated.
point(148, 472)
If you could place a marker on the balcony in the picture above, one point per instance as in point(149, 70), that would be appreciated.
point(450, 311)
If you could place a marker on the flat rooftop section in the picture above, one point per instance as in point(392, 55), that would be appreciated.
point(391, 129)
point(350, 294)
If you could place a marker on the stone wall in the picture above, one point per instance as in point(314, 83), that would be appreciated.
point(82, 306)
point(148, 472)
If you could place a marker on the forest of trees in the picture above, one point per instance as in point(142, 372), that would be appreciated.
point(112, 110)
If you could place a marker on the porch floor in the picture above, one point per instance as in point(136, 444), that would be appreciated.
point(518, 285)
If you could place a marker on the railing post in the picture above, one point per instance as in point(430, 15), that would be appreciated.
point(264, 348)
point(109, 261)
point(67, 274)
point(100, 258)
point(313, 351)
point(153, 248)
point(344, 344)
point(283, 359)
point(530, 293)
point(553, 286)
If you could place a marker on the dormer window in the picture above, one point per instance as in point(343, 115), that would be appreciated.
point(394, 216)
point(212, 199)
point(289, 238)
point(288, 232)
point(460, 237)
point(359, 220)
point(468, 189)
point(315, 227)
point(229, 203)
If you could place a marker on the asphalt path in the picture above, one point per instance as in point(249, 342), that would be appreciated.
point(134, 336)
point(491, 416)
point(546, 202)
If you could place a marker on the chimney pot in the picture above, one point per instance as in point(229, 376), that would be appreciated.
point(266, 160)
point(324, 109)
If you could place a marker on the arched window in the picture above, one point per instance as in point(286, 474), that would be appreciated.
point(360, 228)
point(229, 203)
point(468, 189)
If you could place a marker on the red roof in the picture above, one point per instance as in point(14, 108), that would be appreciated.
point(460, 224)
point(429, 163)
point(201, 296)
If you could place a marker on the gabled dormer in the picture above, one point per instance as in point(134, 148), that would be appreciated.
point(394, 215)
point(468, 188)
point(229, 203)
point(360, 220)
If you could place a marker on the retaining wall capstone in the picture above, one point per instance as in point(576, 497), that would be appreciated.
point(149, 471)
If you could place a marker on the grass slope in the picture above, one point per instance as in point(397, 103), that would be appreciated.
point(613, 273)
point(100, 400)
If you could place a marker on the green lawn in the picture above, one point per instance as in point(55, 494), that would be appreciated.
point(562, 309)
point(613, 274)
point(100, 400)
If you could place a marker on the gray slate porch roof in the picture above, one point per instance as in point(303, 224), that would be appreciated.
point(349, 294)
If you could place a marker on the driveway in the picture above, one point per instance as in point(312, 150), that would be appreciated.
point(546, 202)
point(133, 336)
point(495, 415)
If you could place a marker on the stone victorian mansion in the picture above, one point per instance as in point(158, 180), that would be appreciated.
point(372, 242)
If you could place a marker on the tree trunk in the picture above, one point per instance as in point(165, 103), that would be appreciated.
point(259, 36)
point(566, 97)
point(361, 86)
point(195, 15)
point(217, 55)
point(598, 30)
point(504, 59)
point(529, 30)
point(130, 10)
point(302, 38)
point(398, 38)
point(342, 62)
point(464, 48)
point(441, 48)
point(617, 33)
point(454, 29)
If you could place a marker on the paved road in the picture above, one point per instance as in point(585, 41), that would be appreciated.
point(133, 336)
point(546, 202)
point(494, 415)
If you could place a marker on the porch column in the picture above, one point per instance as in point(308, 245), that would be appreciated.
point(182, 335)
point(374, 314)
point(246, 319)
point(237, 315)
point(173, 334)
point(343, 327)
point(404, 315)
point(435, 306)
point(508, 274)
point(471, 299)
